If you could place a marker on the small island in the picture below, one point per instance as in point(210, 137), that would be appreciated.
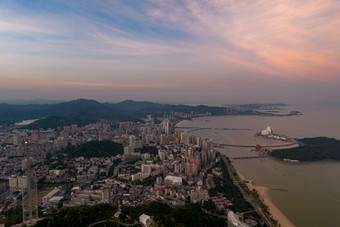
point(310, 150)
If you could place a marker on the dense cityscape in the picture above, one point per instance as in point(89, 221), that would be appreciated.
point(169, 113)
point(118, 163)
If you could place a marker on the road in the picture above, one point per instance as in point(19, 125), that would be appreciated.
point(252, 146)
point(213, 214)
point(110, 220)
point(245, 196)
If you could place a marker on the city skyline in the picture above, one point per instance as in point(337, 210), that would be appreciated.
point(211, 52)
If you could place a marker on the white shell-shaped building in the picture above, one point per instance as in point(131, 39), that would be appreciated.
point(264, 133)
point(270, 130)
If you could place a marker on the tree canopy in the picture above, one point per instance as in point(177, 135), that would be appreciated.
point(311, 149)
point(92, 149)
point(78, 216)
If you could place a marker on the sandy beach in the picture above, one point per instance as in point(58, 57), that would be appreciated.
point(276, 213)
point(179, 123)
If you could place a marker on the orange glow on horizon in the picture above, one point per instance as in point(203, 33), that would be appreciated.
point(119, 85)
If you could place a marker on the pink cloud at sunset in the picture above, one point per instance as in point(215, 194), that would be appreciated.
point(294, 38)
point(37, 83)
point(192, 48)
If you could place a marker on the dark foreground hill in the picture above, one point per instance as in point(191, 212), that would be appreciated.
point(188, 215)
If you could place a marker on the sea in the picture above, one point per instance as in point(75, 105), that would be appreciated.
point(313, 190)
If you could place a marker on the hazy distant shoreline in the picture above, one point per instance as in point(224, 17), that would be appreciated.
point(25, 122)
point(182, 121)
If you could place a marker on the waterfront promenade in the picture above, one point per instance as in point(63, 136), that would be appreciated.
point(245, 196)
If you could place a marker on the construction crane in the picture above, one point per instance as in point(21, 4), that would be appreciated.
point(29, 192)
point(243, 213)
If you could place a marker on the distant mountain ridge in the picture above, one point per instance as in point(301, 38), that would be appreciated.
point(85, 111)
point(31, 101)
point(79, 105)
point(81, 111)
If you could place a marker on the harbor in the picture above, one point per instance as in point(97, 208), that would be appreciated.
point(299, 186)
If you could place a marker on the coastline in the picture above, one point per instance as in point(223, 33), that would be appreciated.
point(275, 212)
point(303, 163)
point(287, 166)
point(182, 121)
point(179, 123)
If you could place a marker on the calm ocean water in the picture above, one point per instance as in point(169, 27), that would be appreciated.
point(313, 196)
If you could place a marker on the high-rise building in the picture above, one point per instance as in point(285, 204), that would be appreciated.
point(187, 168)
point(194, 168)
point(199, 142)
point(184, 137)
point(190, 152)
point(197, 162)
point(207, 145)
point(148, 139)
point(211, 155)
point(178, 134)
point(204, 159)
point(178, 168)
point(166, 126)
point(163, 139)
point(192, 139)
point(162, 155)
point(132, 140)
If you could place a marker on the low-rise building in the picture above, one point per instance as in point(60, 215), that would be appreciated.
point(173, 181)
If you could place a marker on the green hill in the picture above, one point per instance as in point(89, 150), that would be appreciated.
point(311, 149)
point(92, 149)
point(80, 119)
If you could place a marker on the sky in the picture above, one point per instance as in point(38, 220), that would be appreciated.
point(185, 51)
